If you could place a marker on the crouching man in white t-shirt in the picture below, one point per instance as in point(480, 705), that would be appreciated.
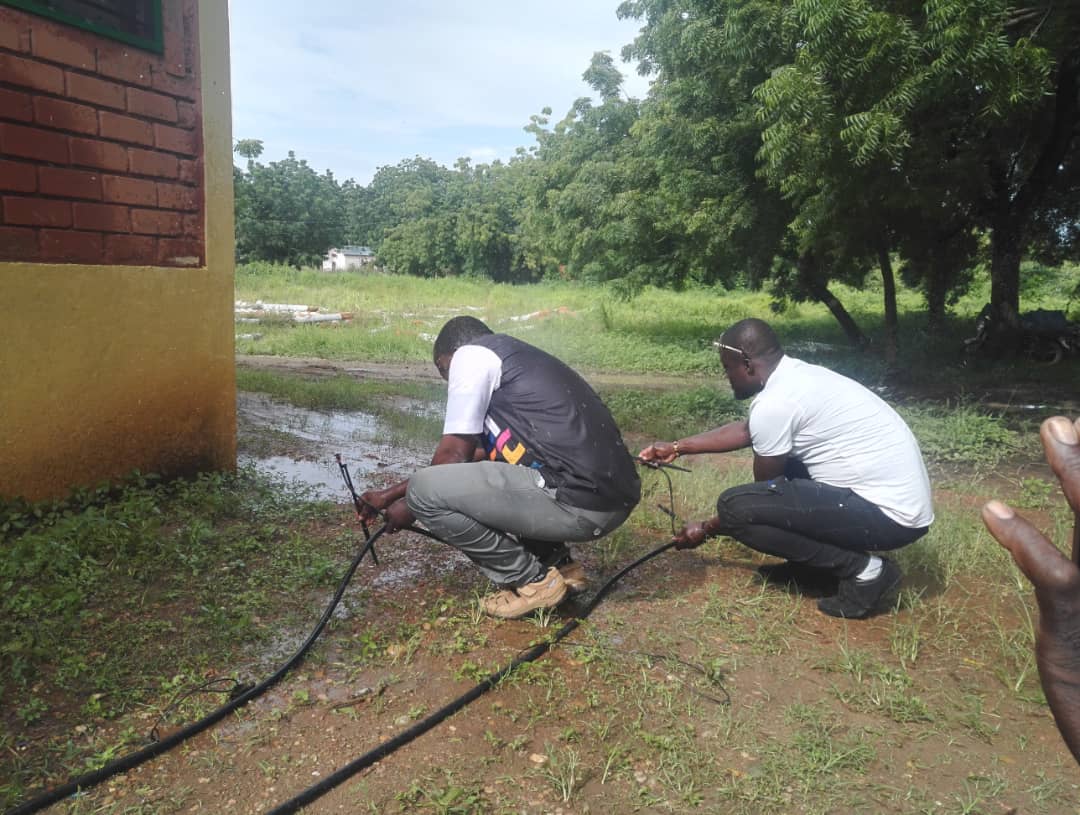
point(838, 475)
point(530, 458)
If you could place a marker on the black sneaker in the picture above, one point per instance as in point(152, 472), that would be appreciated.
point(857, 599)
point(806, 579)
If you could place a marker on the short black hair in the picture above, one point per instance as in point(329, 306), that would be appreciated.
point(755, 337)
point(457, 332)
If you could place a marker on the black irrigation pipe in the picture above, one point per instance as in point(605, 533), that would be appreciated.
point(128, 762)
point(383, 750)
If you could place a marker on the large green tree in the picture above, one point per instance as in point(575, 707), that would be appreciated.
point(953, 116)
point(285, 211)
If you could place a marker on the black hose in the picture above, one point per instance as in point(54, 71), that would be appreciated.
point(128, 762)
point(386, 748)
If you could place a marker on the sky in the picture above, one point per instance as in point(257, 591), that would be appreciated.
point(354, 85)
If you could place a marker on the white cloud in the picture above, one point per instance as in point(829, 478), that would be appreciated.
point(370, 84)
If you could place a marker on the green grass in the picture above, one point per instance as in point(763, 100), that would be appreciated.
point(692, 689)
point(124, 596)
point(592, 328)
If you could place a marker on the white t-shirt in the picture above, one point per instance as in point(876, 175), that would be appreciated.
point(475, 373)
point(845, 435)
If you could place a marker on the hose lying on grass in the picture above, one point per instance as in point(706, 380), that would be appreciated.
point(129, 762)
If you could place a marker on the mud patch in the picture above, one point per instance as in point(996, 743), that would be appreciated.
point(298, 445)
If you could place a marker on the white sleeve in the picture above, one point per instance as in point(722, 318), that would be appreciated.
point(475, 373)
point(772, 426)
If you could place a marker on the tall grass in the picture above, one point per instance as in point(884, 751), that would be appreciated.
point(396, 318)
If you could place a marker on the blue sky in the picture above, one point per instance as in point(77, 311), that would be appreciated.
point(353, 86)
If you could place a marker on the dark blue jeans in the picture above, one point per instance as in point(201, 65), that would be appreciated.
point(810, 523)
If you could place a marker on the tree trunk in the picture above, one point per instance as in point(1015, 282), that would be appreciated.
point(888, 284)
point(808, 274)
point(1005, 253)
point(937, 286)
point(1014, 205)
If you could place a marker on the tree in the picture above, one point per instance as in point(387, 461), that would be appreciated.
point(960, 115)
point(286, 212)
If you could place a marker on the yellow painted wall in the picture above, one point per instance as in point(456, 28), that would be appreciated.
point(108, 369)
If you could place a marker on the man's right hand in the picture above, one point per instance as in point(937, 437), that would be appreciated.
point(690, 536)
point(1056, 579)
point(373, 503)
point(659, 451)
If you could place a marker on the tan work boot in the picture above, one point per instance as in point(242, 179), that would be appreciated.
point(509, 604)
point(575, 577)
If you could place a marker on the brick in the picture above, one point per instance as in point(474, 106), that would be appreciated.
point(102, 155)
point(14, 105)
point(31, 142)
point(101, 217)
point(125, 128)
point(18, 177)
point(97, 91)
point(117, 61)
point(181, 87)
point(120, 190)
point(175, 140)
point(66, 246)
point(18, 244)
point(130, 250)
point(14, 30)
point(36, 212)
point(61, 44)
point(194, 226)
point(61, 115)
point(176, 196)
point(172, 25)
point(66, 183)
point(179, 252)
point(149, 162)
point(29, 73)
point(151, 105)
point(187, 115)
point(190, 172)
point(156, 222)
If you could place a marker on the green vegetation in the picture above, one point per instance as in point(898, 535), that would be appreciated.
point(595, 329)
point(693, 688)
point(800, 143)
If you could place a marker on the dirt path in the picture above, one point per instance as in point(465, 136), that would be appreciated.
point(422, 372)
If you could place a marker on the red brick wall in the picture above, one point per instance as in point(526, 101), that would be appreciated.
point(100, 144)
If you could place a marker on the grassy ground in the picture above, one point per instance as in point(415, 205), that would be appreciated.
point(693, 688)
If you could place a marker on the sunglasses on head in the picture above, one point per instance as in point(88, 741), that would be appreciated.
point(724, 347)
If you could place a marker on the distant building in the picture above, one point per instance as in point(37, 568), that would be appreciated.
point(348, 257)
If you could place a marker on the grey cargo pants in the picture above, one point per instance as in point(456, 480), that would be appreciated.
point(491, 511)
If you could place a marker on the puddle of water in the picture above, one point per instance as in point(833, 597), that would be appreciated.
point(323, 476)
point(359, 437)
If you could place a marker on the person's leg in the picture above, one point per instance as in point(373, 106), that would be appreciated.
point(485, 508)
point(809, 523)
point(821, 527)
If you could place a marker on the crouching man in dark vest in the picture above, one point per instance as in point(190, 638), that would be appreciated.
point(530, 458)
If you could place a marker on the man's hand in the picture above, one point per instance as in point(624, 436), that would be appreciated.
point(398, 516)
point(659, 451)
point(1056, 580)
point(690, 536)
point(373, 502)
